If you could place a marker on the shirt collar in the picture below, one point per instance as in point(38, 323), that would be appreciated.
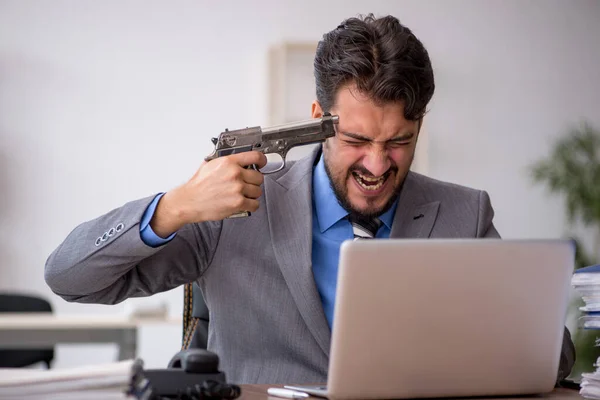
point(388, 217)
point(328, 209)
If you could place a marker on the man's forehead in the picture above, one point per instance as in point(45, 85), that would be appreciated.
point(360, 114)
point(385, 129)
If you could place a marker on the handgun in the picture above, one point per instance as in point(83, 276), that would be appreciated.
point(277, 140)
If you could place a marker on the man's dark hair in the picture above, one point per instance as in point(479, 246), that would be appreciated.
point(382, 57)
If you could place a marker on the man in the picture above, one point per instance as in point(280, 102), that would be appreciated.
point(269, 279)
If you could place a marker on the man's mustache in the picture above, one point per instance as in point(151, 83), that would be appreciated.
point(363, 171)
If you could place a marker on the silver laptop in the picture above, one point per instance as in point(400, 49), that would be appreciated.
point(441, 318)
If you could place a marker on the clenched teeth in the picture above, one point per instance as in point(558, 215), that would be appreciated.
point(369, 183)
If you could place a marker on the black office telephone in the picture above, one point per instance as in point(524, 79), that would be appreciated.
point(191, 374)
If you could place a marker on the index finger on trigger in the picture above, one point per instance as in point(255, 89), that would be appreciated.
point(251, 158)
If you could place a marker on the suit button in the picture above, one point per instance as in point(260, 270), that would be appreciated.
point(98, 241)
point(119, 227)
point(111, 231)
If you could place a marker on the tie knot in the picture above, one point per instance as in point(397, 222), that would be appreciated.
point(364, 228)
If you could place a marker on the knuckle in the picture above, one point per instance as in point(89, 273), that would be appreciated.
point(226, 161)
point(238, 202)
point(234, 174)
point(238, 187)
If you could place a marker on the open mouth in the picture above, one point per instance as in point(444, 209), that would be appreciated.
point(369, 182)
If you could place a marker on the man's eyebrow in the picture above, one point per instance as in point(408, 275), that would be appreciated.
point(403, 137)
point(400, 138)
point(355, 136)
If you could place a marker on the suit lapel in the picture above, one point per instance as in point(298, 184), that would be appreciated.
point(415, 215)
point(289, 209)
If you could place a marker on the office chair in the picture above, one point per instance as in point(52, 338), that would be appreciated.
point(17, 358)
point(195, 318)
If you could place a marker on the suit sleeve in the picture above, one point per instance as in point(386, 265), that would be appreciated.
point(486, 229)
point(485, 223)
point(106, 261)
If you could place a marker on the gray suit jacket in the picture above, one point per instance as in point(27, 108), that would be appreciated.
point(266, 319)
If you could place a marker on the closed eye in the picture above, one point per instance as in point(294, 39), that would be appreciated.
point(395, 144)
point(356, 140)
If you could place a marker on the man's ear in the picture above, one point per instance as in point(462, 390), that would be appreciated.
point(316, 110)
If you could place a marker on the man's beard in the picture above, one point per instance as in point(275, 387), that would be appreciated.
point(341, 191)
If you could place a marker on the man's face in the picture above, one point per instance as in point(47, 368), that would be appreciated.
point(371, 153)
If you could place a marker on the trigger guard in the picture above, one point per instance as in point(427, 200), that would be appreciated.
point(275, 170)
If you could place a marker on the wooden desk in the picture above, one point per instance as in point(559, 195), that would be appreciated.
point(32, 330)
point(259, 392)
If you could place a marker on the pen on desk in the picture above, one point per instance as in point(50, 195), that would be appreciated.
point(287, 393)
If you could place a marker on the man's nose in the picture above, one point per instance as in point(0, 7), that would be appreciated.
point(377, 161)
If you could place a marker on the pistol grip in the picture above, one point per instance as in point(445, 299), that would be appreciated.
point(242, 214)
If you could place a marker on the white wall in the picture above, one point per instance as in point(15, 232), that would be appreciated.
point(103, 102)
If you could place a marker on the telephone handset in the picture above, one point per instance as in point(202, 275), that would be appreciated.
point(191, 374)
point(196, 361)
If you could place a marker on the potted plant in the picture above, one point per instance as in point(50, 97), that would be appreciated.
point(572, 171)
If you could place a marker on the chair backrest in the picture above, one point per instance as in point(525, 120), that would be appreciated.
point(14, 302)
point(195, 318)
point(21, 303)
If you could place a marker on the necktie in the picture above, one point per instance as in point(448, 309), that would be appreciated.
point(364, 228)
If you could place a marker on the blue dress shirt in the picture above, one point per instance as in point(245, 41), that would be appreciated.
point(330, 229)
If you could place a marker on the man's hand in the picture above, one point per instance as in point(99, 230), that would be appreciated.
point(218, 189)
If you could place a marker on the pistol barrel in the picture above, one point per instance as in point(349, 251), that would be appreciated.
point(309, 126)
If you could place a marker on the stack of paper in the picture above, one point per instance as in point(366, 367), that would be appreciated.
point(120, 380)
point(587, 282)
point(590, 385)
